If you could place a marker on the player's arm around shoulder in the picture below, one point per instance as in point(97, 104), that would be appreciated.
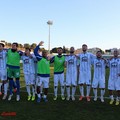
point(66, 60)
point(52, 59)
point(20, 52)
point(108, 63)
point(77, 56)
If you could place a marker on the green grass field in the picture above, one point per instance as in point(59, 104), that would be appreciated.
point(58, 110)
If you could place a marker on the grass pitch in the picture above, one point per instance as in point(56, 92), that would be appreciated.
point(58, 110)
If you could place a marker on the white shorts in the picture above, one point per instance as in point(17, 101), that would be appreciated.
point(43, 81)
point(114, 84)
point(3, 75)
point(59, 78)
point(29, 79)
point(100, 82)
point(71, 79)
point(84, 78)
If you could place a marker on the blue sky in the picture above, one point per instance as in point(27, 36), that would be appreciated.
point(75, 22)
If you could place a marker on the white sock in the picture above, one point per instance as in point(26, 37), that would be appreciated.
point(82, 90)
point(55, 91)
point(0, 87)
point(111, 97)
point(73, 91)
point(5, 88)
point(117, 98)
point(102, 93)
point(33, 90)
point(88, 90)
point(28, 90)
point(45, 96)
point(41, 89)
point(68, 91)
point(39, 95)
point(95, 92)
point(62, 90)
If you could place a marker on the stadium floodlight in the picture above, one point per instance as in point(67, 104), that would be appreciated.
point(49, 23)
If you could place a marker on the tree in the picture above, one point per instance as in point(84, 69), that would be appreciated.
point(9, 45)
point(26, 45)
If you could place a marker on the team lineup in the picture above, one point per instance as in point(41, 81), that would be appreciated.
point(36, 69)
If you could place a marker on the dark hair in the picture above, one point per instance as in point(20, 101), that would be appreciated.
point(16, 44)
point(27, 48)
point(99, 51)
point(2, 44)
point(84, 45)
point(59, 48)
point(44, 51)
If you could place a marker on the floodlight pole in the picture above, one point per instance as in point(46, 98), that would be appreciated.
point(49, 23)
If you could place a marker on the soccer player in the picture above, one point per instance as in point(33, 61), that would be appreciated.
point(113, 82)
point(72, 65)
point(59, 63)
point(43, 72)
point(29, 72)
point(85, 71)
point(99, 75)
point(13, 69)
point(3, 70)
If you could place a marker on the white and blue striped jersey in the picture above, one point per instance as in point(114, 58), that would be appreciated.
point(86, 61)
point(114, 67)
point(28, 64)
point(3, 59)
point(85, 67)
point(99, 69)
point(71, 63)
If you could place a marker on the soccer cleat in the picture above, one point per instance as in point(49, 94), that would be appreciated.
point(102, 100)
point(10, 97)
point(38, 100)
point(4, 97)
point(80, 98)
point(29, 97)
point(62, 97)
point(73, 98)
point(88, 98)
point(15, 90)
point(111, 102)
point(33, 98)
point(95, 98)
point(117, 102)
point(0, 93)
point(55, 98)
point(68, 98)
point(18, 98)
point(45, 99)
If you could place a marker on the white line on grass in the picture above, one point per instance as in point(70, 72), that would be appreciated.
point(65, 94)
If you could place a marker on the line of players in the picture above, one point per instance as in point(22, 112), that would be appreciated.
point(78, 68)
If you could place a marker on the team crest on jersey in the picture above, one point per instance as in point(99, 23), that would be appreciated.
point(26, 61)
point(98, 64)
point(47, 62)
point(84, 59)
point(60, 61)
point(114, 64)
point(71, 61)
